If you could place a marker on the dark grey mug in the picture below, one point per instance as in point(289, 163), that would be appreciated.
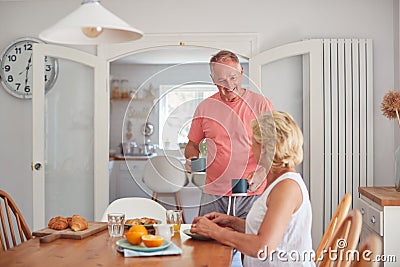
point(198, 164)
point(239, 186)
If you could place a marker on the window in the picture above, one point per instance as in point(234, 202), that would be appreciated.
point(176, 108)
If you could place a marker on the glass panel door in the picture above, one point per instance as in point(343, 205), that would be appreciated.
point(70, 174)
point(69, 128)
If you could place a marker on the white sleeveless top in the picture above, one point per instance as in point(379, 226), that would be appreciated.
point(296, 245)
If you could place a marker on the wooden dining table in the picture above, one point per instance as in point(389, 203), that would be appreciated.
point(101, 250)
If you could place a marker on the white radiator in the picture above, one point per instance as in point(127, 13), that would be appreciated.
point(348, 116)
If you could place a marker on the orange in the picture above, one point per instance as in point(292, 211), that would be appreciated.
point(152, 241)
point(135, 233)
point(138, 228)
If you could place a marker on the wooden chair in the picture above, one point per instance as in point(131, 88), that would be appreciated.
point(13, 224)
point(371, 244)
point(344, 241)
point(340, 213)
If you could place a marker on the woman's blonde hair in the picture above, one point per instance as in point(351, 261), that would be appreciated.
point(288, 138)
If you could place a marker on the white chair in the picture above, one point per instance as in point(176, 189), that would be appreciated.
point(136, 207)
point(199, 179)
point(166, 176)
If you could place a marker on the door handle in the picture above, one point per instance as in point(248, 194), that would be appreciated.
point(36, 166)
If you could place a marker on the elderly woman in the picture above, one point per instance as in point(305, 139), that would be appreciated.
point(277, 231)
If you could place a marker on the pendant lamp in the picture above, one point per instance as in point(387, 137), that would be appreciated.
point(90, 24)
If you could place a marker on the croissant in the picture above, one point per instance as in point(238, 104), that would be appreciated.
point(58, 223)
point(78, 223)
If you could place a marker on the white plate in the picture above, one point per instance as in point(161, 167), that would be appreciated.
point(123, 243)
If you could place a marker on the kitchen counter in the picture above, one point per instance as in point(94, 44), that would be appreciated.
point(382, 195)
point(123, 157)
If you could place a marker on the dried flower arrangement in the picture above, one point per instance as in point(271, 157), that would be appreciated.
point(391, 105)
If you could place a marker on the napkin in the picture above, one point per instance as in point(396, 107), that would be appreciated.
point(171, 250)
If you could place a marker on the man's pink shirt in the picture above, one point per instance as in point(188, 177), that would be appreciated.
point(226, 127)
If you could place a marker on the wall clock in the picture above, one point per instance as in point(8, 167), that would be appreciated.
point(16, 68)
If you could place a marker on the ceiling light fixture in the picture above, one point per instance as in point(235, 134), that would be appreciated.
point(90, 24)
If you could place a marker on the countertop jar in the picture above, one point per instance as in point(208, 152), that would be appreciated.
point(115, 93)
point(124, 88)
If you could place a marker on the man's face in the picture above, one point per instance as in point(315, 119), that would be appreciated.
point(227, 76)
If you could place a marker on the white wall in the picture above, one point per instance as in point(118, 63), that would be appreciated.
point(276, 22)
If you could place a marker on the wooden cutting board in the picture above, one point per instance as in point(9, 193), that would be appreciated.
point(48, 235)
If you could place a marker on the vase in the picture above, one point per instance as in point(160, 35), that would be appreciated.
point(397, 168)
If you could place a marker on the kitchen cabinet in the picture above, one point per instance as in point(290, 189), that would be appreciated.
point(380, 209)
point(126, 180)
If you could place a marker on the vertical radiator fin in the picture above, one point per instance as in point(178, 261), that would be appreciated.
point(347, 82)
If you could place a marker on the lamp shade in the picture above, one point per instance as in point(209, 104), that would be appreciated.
point(90, 24)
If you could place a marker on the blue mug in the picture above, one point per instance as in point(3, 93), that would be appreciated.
point(239, 186)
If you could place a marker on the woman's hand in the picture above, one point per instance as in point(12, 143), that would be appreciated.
point(204, 226)
point(221, 219)
point(216, 217)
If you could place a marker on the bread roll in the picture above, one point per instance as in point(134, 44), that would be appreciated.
point(58, 223)
point(78, 223)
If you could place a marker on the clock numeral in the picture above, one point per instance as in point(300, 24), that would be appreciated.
point(18, 86)
point(12, 58)
point(28, 46)
point(18, 50)
point(10, 78)
point(48, 67)
point(27, 89)
point(7, 68)
point(45, 78)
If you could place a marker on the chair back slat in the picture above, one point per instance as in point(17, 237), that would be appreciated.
point(344, 241)
point(10, 223)
point(371, 246)
point(13, 223)
point(3, 233)
point(5, 237)
point(337, 218)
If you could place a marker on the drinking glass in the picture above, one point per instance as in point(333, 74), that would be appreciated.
point(174, 217)
point(164, 230)
point(116, 224)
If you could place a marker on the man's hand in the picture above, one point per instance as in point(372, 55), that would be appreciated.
point(191, 151)
point(188, 165)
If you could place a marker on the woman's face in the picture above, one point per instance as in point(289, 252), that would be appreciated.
point(256, 147)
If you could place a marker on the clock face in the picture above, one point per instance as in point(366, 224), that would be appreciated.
point(16, 68)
